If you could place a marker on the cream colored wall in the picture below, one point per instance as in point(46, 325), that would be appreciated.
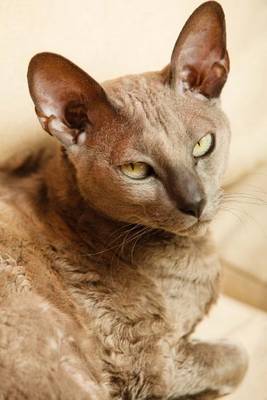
point(113, 37)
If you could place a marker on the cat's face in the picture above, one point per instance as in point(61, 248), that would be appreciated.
point(161, 130)
point(149, 149)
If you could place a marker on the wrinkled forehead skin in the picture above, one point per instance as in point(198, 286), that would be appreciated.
point(164, 125)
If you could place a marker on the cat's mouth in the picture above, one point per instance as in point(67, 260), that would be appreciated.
point(197, 229)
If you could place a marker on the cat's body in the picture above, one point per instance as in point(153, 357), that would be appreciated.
point(140, 305)
point(96, 308)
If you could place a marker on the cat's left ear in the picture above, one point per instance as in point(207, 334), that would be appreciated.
point(68, 102)
point(200, 62)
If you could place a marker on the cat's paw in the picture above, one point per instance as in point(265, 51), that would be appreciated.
point(234, 365)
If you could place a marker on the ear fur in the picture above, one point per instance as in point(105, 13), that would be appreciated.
point(200, 61)
point(66, 98)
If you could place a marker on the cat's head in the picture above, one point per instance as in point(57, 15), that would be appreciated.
point(148, 149)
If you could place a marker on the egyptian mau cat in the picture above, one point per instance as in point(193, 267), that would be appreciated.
point(107, 264)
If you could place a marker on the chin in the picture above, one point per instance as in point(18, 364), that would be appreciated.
point(198, 229)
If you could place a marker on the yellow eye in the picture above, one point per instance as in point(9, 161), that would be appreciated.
point(138, 170)
point(204, 145)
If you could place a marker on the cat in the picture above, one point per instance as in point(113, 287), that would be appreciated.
point(107, 262)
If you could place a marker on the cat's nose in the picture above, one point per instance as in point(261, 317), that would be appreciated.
point(194, 208)
point(185, 188)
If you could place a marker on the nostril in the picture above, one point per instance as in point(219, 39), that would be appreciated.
point(189, 211)
point(194, 209)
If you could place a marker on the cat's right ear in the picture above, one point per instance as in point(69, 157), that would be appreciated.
point(68, 102)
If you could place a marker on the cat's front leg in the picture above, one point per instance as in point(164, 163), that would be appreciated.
point(207, 371)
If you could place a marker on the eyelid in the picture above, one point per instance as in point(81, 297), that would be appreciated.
point(202, 136)
point(141, 159)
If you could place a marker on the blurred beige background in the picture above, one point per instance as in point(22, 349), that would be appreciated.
point(113, 37)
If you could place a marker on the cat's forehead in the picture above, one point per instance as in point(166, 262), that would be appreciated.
point(149, 102)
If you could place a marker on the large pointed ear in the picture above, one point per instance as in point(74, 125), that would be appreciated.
point(67, 100)
point(200, 60)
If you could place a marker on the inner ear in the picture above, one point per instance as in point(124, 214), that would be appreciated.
point(200, 62)
point(76, 116)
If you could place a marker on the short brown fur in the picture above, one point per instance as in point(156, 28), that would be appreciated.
point(103, 279)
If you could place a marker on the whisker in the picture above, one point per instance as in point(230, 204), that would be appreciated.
point(246, 215)
point(232, 213)
point(127, 241)
point(116, 239)
point(148, 230)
